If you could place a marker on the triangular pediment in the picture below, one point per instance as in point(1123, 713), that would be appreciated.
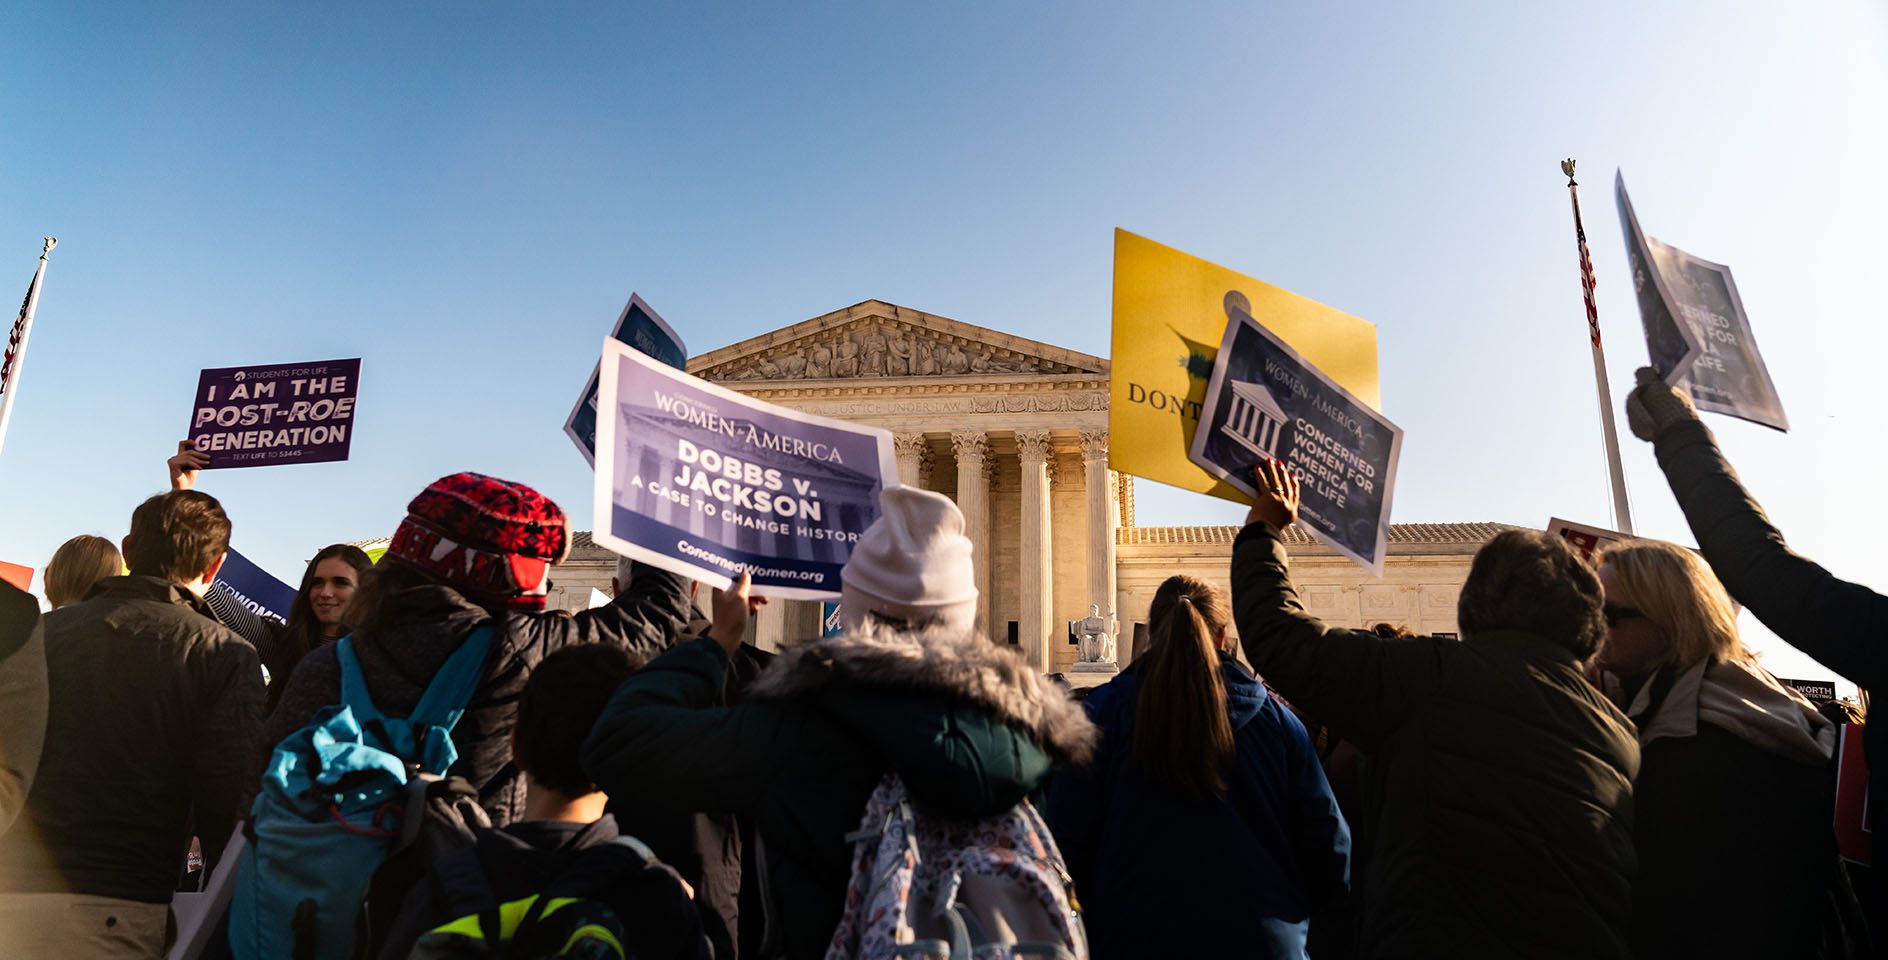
point(879, 339)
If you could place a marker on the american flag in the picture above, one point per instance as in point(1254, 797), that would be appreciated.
point(1586, 268)
point(13, 345)
point(16, 342)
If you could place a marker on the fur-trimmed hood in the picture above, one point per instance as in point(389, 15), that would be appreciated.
point(964, 666)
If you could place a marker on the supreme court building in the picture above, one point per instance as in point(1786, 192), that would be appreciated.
point(1016, 431)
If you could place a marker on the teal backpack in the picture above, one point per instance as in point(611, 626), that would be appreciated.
point(333, 806)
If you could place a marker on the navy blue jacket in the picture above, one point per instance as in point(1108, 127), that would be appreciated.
point(1163, 875)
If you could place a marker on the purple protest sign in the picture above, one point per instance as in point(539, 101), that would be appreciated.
point(282, 413)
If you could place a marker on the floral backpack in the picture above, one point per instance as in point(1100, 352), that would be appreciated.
point(929, 889)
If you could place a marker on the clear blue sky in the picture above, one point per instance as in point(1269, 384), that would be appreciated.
point(465, 194)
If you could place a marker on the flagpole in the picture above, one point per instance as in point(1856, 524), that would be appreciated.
point(14, 358)
point(1622, 509)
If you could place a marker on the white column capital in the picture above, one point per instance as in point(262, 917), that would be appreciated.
point(1033, 446)
point(1094, 446)
point(970, 445)
point(910, 444)
point(912, 450)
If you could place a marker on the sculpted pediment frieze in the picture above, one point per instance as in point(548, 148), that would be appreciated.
point(841, 347)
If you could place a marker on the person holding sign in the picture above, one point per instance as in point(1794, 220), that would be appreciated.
point(151, 738)
point(910, 687)
point(1843, 625)
point(1501, 779)
point(1734, 794)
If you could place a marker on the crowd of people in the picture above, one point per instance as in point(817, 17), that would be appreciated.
point(1597, 768)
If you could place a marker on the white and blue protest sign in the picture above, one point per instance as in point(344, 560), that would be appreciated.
point(1266, 401)
point(638, 326)
point(829, 623)
point(261, 416)
point(706, 482)
point(254, 588)
point(1696, 330)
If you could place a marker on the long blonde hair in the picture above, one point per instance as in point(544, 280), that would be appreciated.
point(1677, 591)
point(78, 565)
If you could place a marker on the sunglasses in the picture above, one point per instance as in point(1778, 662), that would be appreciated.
point(1617, 614)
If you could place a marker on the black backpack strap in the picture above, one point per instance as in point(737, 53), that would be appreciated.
point(464, 885)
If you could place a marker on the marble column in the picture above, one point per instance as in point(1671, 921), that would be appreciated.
point(1037, 586)
point(910, 448)
point(1101, 507)
point(972, 449)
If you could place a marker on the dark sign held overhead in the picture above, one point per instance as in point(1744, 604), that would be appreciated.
point(1265, 401)
point(1696, 331)
point(640, 327)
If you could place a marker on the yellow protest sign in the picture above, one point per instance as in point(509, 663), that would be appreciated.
point(1170, 312)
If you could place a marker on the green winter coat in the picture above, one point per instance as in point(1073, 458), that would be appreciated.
point(1499, 798)
point(966, 725)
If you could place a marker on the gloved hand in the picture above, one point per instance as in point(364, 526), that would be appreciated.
point(1654, 406)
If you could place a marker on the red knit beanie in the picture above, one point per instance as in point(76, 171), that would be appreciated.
point(492, 540)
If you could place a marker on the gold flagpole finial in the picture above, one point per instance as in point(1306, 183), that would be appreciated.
point(51, 242)
point(1566, 167)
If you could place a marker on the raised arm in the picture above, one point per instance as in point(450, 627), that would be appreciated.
point(1842, 625)
point(1359, 683)
point(647, 617)
point(666, 744)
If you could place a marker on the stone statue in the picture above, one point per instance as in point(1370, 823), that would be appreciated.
point(769, 370)
point(793, 364)
point(819, 362)
point(846, 358)
point(871, 352)
point(1095, 635)
point(955, 360)
point(924, 358)
point(898, 362)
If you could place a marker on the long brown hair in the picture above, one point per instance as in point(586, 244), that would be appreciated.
point(1182, 736)
point(304, 631)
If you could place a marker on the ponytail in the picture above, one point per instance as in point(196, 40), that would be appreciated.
point(1181, 734)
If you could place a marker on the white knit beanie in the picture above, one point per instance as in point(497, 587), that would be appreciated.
point(912, 564)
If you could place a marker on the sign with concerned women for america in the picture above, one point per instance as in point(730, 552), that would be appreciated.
point(1265, 401)
point(706, 482)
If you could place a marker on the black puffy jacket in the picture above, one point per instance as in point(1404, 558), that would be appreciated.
point(1499, 801)
point(427, 623)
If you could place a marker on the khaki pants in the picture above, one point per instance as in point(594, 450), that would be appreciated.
point(61, 925)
